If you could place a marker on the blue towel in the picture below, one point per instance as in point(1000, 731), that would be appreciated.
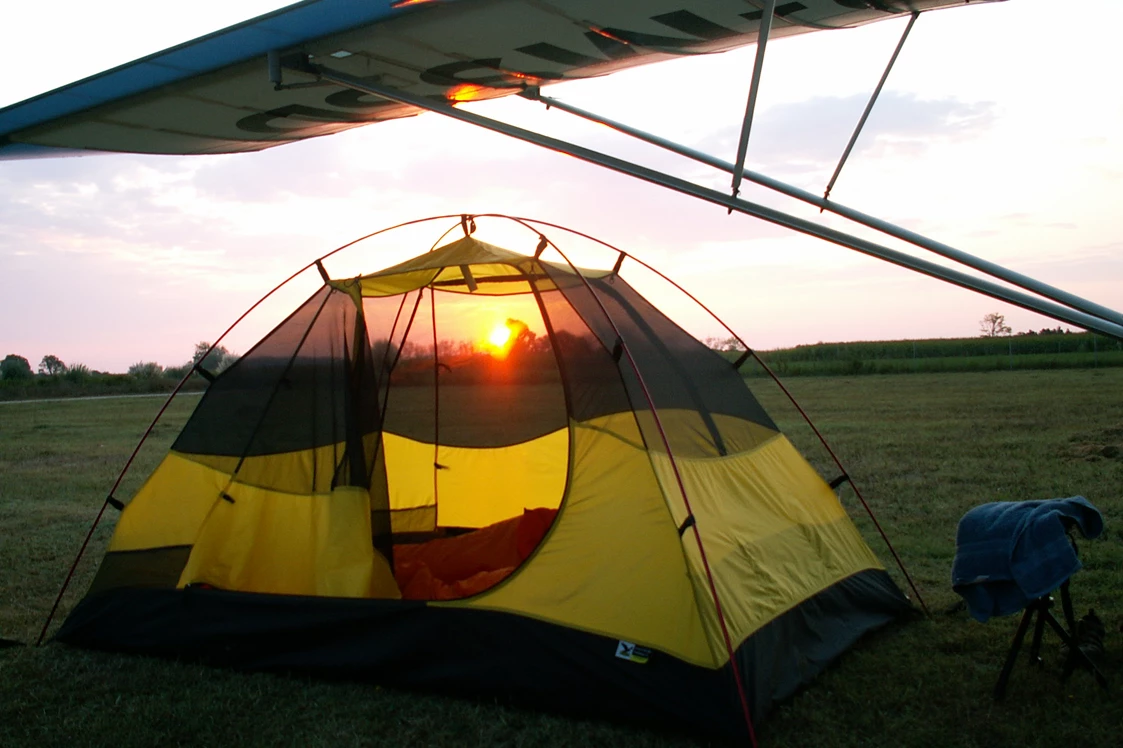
point(1011, 552)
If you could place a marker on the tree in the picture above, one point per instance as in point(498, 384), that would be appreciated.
point(146, 370)
point(15, 367)
point(177, 372)
point(384, 354)
point(77, 373)
point(723, 345)
point(216, 361)
point(51, 366)
point(522, 339)
point(994, 325)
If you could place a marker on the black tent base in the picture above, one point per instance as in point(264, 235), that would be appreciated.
point(491, 654)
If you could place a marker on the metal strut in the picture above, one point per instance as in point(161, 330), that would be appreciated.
point(944, 250)
point(754, 88)
point(869, 106)
point(763, 212)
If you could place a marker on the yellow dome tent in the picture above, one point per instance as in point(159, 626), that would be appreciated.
point(584, 507)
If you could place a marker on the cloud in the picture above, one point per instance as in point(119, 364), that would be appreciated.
point(150, 254)
point(812, 134)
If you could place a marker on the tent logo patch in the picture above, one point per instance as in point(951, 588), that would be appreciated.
point(632, 652)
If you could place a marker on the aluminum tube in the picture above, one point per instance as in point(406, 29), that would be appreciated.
point(765, 213)
point(754, 88)
point(869, 105)
point(985, 266)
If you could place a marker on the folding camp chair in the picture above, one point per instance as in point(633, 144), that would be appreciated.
point(1041, 609)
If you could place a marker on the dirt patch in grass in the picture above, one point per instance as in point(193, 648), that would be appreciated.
point(1093, 446)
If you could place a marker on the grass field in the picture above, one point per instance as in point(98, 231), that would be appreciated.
point(923, 448)
point(1054, 351)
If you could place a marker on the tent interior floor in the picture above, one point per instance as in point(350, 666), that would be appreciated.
point(451, 568)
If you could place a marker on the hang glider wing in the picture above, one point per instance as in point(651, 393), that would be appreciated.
point(214, 95)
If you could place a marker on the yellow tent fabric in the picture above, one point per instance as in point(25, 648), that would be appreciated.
point(645, 480)
point(382, 487)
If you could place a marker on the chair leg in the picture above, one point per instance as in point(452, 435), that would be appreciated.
point(1012, 655)
point(1076, 656)
point(1038, 631)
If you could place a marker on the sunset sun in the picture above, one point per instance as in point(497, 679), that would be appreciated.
point(499, 335)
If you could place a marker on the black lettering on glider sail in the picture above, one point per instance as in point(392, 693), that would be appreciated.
point(213, 95)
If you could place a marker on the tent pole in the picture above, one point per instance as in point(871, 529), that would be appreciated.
point(754, 89)
point(864, 219)
point(176, 390)
point(763, 212)
point(385, 404)
point(74, 566)
point(682, 490)
point(776, 379)
point(436, 403)
point(869, 105)
point(822, 439)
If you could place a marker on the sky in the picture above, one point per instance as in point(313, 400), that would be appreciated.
point(997, 133)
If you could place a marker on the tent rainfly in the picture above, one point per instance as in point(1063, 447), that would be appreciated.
point(581, 507)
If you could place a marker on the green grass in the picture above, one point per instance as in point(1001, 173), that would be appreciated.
point(1057, 351)
point(922, 448)
point(92, 385)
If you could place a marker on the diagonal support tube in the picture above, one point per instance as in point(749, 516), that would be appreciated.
point(993, 269)
point(869, 105)
point(762, 212)
point(754, 88)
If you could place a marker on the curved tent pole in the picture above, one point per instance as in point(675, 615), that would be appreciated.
point(814, 428)
point(385, 404)
point(436, 403)
point(110, 499)
point(807, 418)
point(682, 489)
point(768, 370)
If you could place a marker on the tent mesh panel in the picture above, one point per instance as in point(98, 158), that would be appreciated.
point(482, 399)
point(309, 383)
point(681, 374)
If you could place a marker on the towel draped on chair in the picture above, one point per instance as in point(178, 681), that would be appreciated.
point(1009, 553)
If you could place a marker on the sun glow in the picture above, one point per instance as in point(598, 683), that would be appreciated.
point(464, 92)
point(499, 336)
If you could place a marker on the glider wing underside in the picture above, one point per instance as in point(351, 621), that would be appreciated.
point(214, 95)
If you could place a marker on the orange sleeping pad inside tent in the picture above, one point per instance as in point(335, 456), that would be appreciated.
point(461, 566)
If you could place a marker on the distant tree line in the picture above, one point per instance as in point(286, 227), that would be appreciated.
point(55, 377)
point(1058, 330)
point(994, 325)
